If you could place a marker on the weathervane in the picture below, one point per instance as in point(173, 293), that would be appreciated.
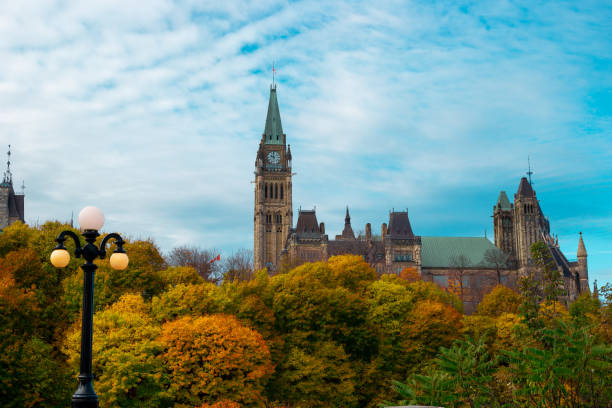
point(529, 172)
point(273, 76)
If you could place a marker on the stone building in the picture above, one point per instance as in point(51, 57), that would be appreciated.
point(469, 266)
point(273, 215)
point(519, 225)
point(11, 204)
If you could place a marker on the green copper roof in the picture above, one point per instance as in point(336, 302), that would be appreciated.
point(503, 202)
point(438, 251)
point(274, 129)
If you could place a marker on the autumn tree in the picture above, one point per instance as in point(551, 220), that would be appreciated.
point(459, 265)
point(500, 300)
point(199, 259)
point(319, 377)
point(126, 366)
point(215, 357)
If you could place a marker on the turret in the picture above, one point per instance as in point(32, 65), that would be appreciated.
point(583, 270)
point(347, 232)
point(503, 220)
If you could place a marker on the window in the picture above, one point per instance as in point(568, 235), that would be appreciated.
point(275, 190)
point(441, 280)
point(266, 191)
point(281, 191)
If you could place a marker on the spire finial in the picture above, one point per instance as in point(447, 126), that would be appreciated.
point(8, 177)
point(529, 172)
point(273, 76)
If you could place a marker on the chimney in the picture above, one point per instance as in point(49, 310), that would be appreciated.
point(368, 231)
point(383, 231)
point(322, 228)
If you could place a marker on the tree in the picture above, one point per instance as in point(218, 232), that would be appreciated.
point(500, 300)
point(215, 357)
point(175, 275)
point(186, 300)
point(318, 377)
point(238, 266)
point(199, 259)
point(463, 376)
point(459, 265)
point(126, 366)
point(498, 259)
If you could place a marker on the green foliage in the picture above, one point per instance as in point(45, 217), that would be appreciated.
point(462, 376)
point(321, 377)
point(32, 374)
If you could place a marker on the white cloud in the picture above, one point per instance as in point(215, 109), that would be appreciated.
point(152, 111)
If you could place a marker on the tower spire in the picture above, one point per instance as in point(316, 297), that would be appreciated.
point(529, 172)
point(8, 177)
point(273, 132)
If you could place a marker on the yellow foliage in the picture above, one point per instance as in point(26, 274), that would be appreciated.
point(500, 300)
point(506, 324)
point(175, 275)
point(552, 310)
point(193, 300)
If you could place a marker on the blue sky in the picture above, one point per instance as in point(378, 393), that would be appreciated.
point(153, 112)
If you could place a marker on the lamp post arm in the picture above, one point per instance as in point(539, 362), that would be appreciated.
point(61, 238)
point(118, 240)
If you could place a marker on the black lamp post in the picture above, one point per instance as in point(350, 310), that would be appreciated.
point(91, 220)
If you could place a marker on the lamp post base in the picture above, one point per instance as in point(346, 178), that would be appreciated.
point(85, 396)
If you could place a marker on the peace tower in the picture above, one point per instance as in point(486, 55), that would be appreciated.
point(273, 206)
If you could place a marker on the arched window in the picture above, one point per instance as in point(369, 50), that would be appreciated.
point(275, 190)
point(281, 191)
point(266, 191)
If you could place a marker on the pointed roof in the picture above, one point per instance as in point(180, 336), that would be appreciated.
point(525, 189)
point(503, 202)
point(347, 233)
point(581, 249)
point(273, 132)
point(399, 225)
point(307, 222)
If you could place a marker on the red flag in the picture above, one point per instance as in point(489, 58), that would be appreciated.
point(217, 258)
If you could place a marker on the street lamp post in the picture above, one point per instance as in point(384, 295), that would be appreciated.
point(91, 220)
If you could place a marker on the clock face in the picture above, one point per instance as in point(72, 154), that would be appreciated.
point(273, 157)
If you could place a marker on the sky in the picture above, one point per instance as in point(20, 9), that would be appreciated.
point(153, 111)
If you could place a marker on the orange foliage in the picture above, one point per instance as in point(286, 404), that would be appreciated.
point(221, 404)
point(215, 357)
point(432, 325)
point(410, 274)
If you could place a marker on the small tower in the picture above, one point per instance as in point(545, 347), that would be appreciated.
point(526, 226)
point(503, 220)
point(11, 204)
point(273, 209)
point(347, 232)
point(583, 270)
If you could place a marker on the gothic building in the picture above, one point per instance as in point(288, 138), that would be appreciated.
point(273, 207)
point(518, 226)
point(470, 266)
point(11, 204)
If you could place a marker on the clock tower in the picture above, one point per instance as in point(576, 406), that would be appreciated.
point(273, 206)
